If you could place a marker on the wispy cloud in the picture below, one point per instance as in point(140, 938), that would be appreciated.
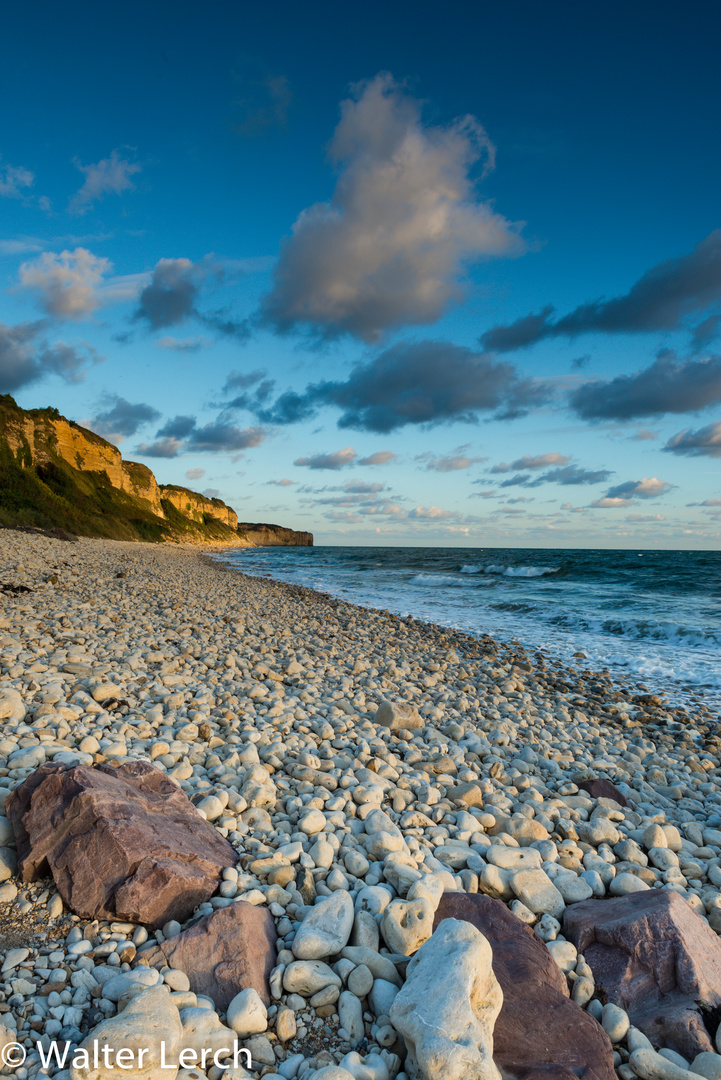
point(110, 176)
point(381, 457)
point(448, 462)
point(704, 442)
point(539, 461)
point(14, 181)
point(662, 299)
point(338, 459)
point(183, 345)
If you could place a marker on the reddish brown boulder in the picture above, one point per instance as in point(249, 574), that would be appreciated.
point(603, 789)
point(121, 841)
point(654, 956)
point(224, 953)
point(540, 1033)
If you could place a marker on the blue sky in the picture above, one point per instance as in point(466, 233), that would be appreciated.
point(408, 273)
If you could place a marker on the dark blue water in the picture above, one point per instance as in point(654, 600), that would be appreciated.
point(654, 616)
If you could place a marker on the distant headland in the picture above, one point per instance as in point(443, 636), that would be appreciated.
point(55, 474)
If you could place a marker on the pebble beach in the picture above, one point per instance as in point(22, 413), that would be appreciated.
point(363, 767)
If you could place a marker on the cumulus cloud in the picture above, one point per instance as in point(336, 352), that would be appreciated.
point(662, 299)
point(650, 487)
point(14, 179)
point(220, 437)
point(336, 460)
point(181, 435)
point(647, 488)
point(66, 284)
point(668, 385)
point(161, 448)
point(110, 176)
point(426, 382)
point(25, 357)
point(120, 418)
point(704, 442)
point(381, 457)
point(179, 427)
point(195, 474)
point(388, 250)
point(171, 295)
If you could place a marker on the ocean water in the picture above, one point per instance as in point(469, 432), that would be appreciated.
point(652, 616)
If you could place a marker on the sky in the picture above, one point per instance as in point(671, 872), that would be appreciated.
point(409, 273)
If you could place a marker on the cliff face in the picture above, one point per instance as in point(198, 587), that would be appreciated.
point(53, 472)
point(274, 535)
point(198, 507)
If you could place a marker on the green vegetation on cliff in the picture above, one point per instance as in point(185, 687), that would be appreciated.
point(43, 490)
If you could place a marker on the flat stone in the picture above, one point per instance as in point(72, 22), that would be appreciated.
point(226, 952)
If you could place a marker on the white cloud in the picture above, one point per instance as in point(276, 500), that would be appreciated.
point(404, 219)
point(195, 474)
point(432, 513)
point(448, 462)
point(193, 344)
point(13, 179)
point(109, 176)
point(336, 460)
point(540, 461)
point(381, 457)
point(65, 284)
point(706, 441)
point(607, 503)
point(650, 487)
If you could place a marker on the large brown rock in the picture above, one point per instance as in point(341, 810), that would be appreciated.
point(121, 841)
point(540, 1033)
point(224, 953)
point(654, 956)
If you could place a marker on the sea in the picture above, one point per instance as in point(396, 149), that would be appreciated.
point(653, 618)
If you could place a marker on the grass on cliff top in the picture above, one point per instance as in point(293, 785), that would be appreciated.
point(86, 503)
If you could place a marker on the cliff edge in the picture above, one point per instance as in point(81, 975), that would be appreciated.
point(56, 474)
